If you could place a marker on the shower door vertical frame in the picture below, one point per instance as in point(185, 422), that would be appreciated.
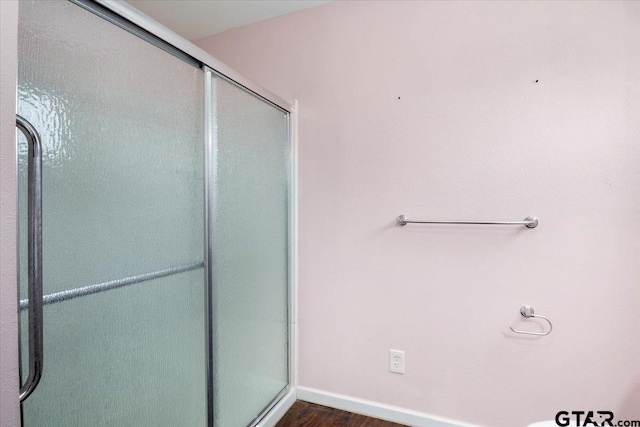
point(293, 244)
point(210, 163)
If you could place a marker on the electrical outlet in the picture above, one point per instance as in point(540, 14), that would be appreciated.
point(396, 361)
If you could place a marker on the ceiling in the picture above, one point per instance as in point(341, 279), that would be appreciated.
point(194, 19)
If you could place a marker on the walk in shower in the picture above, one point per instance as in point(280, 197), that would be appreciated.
point(164, 228)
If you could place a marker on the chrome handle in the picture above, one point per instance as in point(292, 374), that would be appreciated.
point(527, 311)
point(529, 222)
point(34, 234)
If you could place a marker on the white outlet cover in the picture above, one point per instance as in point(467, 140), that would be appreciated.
point(396, 361)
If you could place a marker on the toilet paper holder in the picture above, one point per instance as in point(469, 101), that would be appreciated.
point(527, 311)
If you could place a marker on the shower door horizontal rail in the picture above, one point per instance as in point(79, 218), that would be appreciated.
point(111, 284)
point(256, 421)
point(179, 44)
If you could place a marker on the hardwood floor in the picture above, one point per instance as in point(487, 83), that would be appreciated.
point(303, 414)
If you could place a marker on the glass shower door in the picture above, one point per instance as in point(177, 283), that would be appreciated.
point(249, 165)
point(121, 128)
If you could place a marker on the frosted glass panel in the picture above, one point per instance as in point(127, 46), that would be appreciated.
point(133, 356)
point(250, 252)
point(121, 126)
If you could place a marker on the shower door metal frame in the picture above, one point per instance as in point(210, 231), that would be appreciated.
point(141, 20)
point(141, 25)
point(210, 187)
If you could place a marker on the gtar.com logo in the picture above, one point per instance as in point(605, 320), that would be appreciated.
point(592, 418)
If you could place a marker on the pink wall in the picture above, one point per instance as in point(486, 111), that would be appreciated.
point(431, 109)
point(9, 409)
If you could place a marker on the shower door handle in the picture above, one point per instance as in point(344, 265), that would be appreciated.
point(34, 237)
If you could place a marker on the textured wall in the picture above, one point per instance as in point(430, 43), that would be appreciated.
point(431, 109)
point(9, 409)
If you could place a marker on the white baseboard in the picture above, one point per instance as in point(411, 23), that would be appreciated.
point(375, 409)
point(278, 411)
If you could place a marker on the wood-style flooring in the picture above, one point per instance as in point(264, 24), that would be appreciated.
point(303, 414)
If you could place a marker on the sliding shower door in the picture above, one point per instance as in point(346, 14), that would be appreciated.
point(249, 252)
point(121, 123)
